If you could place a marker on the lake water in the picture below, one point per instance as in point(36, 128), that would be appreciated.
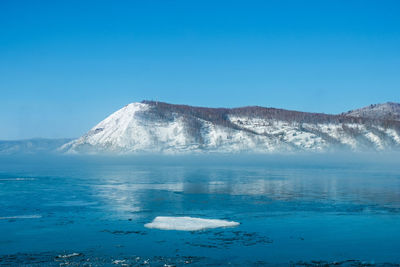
point(299, 211)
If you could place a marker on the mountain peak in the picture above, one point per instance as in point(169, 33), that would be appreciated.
point(384, 111)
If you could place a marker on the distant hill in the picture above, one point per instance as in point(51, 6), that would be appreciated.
point(386, 111)
point(32, 146)
point(158, 127)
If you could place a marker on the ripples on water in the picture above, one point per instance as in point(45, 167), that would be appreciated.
point(291, 210)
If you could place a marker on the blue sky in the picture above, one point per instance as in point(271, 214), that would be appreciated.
point(66, 65)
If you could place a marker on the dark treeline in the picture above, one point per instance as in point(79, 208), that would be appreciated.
point(220, 116)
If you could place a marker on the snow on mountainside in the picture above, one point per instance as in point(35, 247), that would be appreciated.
point(160, 127)
point(389, 111)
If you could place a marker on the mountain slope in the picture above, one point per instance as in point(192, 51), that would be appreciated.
point(160, 127)
point(386, 111)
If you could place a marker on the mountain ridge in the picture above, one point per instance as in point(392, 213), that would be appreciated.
point(32, 145)
point(159, 127)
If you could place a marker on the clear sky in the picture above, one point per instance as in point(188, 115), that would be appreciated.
point(66, 65)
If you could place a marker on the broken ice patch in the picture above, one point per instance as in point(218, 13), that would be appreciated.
point(21, 217)
point(188, 223)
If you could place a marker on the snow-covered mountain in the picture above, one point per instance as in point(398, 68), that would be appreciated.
point(160, 127)
point(389, 111)
point(31, 146)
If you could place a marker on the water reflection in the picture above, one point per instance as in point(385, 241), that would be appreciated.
point(177, 188)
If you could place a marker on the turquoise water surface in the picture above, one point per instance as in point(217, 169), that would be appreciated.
point(299, 211)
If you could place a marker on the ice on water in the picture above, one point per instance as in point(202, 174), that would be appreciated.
point(35, 216)
point(188, 223)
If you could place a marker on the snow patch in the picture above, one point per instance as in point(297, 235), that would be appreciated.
point(188, 223)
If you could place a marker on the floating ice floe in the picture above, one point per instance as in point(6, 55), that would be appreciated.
point(21, 217)
point(66, 256)
point(16, 179)
point(122, 262)
point(188, 223)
